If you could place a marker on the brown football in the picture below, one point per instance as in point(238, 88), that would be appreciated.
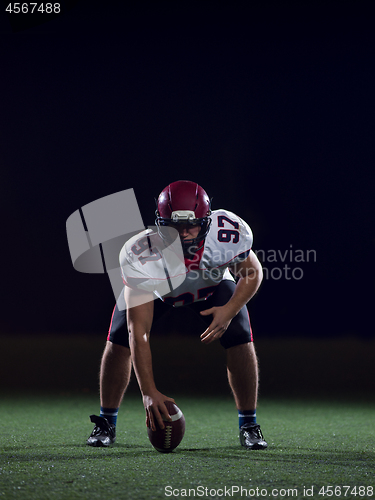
point(167, 439)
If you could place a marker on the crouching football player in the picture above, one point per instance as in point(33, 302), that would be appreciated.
point(221, 274)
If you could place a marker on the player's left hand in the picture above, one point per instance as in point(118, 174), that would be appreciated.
point(221, 320)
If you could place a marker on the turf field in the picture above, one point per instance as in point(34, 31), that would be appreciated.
point(311, 444)
point(317, 440)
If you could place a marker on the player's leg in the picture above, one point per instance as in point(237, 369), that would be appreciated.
point(242, 366)
point(114, 377)
point(115, 370)
point(242, 363)
point(243, 377)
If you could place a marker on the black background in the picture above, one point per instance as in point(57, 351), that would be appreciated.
point(268, 105)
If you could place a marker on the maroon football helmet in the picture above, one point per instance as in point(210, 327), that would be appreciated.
point(184, 202)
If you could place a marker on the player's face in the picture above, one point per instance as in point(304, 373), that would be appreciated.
point(187, 231)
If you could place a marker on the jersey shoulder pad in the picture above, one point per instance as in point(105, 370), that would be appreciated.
point(138, 258)
point(229, 239)
point(149, 264)
point(126, 252)
point(134, 246)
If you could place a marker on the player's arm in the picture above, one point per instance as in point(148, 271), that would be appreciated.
point(140, 315)
point(250, 275)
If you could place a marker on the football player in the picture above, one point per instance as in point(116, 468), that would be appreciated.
point(220, 274)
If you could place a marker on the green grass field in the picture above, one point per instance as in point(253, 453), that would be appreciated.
point(316, 410)
point(44, 456)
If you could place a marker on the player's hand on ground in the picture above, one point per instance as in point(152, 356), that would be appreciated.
point(156, 409)
point(220, 322)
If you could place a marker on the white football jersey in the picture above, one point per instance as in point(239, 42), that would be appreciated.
point(149, 263)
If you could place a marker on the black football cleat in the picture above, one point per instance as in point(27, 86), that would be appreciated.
point(104, 433)
point(251, 437)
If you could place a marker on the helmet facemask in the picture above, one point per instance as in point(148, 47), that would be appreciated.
point(186, 217)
